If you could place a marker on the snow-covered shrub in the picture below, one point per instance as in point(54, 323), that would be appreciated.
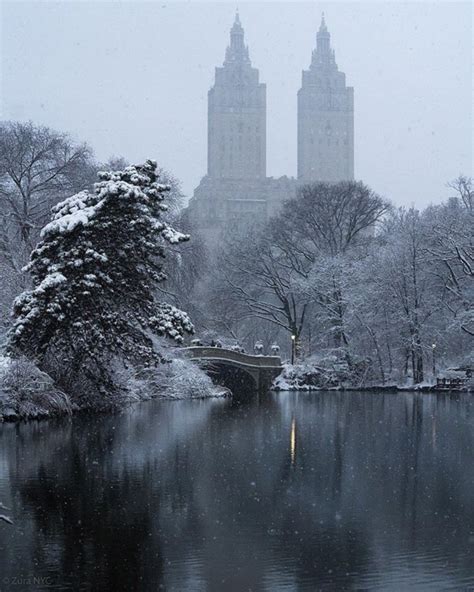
point(176, 379)
point(93, 306)
point(331, 370)
point(27, 392)
point(302, 377)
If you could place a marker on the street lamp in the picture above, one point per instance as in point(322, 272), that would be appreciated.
point(433, 349)
point(293, 339)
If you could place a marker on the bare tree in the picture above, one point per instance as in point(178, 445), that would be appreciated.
point(271, 271)
point(451, 246)
point(464, 190)
point(38, 168)
point(329, 219)
point(259, 276)
point(323, 228)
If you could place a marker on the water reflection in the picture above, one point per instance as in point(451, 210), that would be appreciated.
point(286, 492)
point(293, 441)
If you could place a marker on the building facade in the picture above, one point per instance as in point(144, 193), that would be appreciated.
point(236, 191)
point(325, 118)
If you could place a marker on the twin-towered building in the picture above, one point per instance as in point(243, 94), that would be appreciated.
point(236, 188)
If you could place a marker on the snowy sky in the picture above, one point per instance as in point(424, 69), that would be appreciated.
point(131, 79)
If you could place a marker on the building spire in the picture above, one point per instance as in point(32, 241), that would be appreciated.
point(323, 44)
point(323, 27)
point(237, 51)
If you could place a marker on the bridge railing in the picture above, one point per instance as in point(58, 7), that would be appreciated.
point(221, 353)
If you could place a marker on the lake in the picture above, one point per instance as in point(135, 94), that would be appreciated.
point(287, 492)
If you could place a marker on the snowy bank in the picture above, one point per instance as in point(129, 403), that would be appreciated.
point(307, 377)
point(28, 393)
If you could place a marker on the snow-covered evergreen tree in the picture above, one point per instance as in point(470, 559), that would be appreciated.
point(95, 274)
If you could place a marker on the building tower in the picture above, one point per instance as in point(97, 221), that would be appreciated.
point(237, 115)
point(325, 118)
point(236, 194)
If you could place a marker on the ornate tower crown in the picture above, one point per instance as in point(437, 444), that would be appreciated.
point(323, 56)
point(237, 52)
point(325, 117)
point(237, 115)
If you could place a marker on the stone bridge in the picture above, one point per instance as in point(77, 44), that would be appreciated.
point(235, 370)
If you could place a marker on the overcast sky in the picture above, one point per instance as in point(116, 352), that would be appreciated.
point(131, 79)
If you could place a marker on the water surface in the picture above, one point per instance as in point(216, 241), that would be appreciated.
point(289, 492)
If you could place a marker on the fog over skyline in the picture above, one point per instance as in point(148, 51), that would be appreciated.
point(131, 79)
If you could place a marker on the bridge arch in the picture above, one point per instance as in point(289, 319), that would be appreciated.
point(236, 370)
point(238, 380)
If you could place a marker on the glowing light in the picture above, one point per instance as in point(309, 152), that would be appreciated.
point(293, 441)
